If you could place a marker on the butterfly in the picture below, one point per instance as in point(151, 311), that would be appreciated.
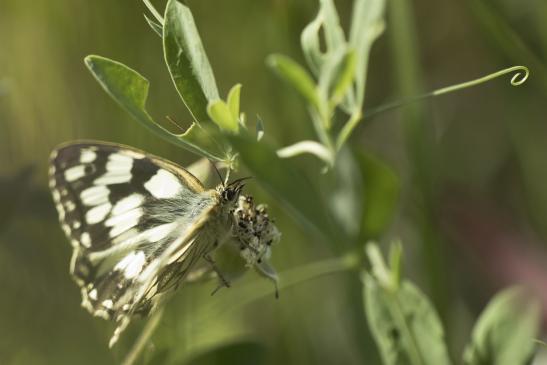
point(140, 225)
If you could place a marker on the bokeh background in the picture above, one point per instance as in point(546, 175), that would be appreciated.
point(472, 212)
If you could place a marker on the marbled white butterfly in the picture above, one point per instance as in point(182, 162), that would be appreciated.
point(139, 225)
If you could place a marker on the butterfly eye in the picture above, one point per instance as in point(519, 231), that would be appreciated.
point(230, 194)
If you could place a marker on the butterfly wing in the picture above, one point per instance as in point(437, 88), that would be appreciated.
point(131, 218)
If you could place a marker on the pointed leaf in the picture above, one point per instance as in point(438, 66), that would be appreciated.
point(311, 44)
point(403, 323)
point(296, 76)
point(130, 90)
point(187, 61)
point(334, 35)
point(343, 78)
point(505, 331)
point(220, 113)
point(233, 100)
point(366, 25)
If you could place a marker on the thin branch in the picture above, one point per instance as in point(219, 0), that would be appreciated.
point(153, 10)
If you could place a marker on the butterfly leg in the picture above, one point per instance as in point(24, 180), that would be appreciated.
point(223, 280)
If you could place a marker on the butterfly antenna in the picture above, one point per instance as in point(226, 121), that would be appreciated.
point(218, 173)
point(237, 181)
point(169, 118)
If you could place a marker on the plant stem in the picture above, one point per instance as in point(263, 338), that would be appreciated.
point(350, 125)
point(153, 10)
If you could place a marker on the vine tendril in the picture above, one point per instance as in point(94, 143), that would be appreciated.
point(520, 75)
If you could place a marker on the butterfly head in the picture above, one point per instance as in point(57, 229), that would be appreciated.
point(230, 193)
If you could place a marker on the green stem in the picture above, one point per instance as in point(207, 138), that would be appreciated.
point(153, 10)
point(517, 80)
point(350, 125)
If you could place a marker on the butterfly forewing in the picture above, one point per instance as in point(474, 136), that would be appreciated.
point(133, 220)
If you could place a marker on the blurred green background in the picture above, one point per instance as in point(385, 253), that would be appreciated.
point(472, 213)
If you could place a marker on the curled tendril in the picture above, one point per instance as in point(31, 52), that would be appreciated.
point(520, 76)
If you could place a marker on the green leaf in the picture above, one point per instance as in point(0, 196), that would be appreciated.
point(403, 322)
point(286, 182)
point(234, 100)
point(156, 27)
point(187, 61)
point(334, 35)
point(505, 331)
point(221, 114)
point(344, 77)
point(381, 195)
point(311, 44)
point(296, 76)
point(366, 26)
point(337, 75)
point(130, 90)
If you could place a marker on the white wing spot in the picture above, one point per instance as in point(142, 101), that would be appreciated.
point(66, 229)
point(98, 213)
point(61, 212)
point(121, 223)
point(85, 239)
point(113, 177)
point(95, 195)
point(128, 203)
point(70, 206)
point(160, 232)
point(74, 173)
point(132, 264)
point(127, 238)
point(87, 156)
point(118, 170)
point(163, 185)
point(93, 294)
